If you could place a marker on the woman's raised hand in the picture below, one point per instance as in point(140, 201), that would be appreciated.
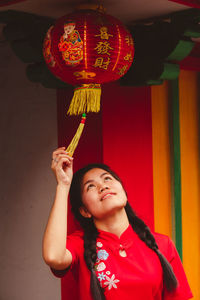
point(62, 166)
point(54, 241)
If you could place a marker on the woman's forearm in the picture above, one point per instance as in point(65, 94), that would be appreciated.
point(54, 241)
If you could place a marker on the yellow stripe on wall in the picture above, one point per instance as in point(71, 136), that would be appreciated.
point(161, 159)
point(190, 177)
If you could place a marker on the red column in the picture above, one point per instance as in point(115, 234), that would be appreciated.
point(127, 143)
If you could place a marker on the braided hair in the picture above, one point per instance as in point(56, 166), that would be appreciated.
point(91, 233)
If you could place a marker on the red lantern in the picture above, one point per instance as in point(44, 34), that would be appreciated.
point(88, 48)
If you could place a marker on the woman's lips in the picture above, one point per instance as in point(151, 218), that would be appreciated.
point(105, 196)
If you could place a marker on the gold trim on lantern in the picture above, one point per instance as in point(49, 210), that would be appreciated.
point(84, 75)
point(120, 46)
point(86, 99)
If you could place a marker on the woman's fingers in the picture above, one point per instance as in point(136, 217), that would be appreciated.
point(58, 151)
point(67, 160)
point(61, 161)
point(59, 158)
point(62, 166)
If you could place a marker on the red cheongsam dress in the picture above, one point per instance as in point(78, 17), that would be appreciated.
point(126, 268)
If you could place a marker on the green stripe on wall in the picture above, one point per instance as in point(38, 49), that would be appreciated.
point(176, 164)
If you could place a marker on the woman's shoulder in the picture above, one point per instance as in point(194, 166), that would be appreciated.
point(75, 243)
point(165, 245)
point(160, 237)
point(77, 235)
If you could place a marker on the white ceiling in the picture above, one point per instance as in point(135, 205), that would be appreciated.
point(125, 10)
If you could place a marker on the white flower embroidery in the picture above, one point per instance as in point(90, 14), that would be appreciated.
point(102, 254)
point(101, 267)
point(99, 244)
point(111, 282)
point(108, 272)
point(101, 276)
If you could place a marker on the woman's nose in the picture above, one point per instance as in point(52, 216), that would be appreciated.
point(102, 188)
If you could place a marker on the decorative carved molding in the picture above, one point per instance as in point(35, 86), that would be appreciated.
point(9, 2)
point(190, 3)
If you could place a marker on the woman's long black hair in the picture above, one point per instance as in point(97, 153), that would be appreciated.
point(91, 233)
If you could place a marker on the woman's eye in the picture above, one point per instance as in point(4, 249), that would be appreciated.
point(107, 178)
point(91, 185)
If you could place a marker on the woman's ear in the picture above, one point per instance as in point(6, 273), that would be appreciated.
point(84, 212)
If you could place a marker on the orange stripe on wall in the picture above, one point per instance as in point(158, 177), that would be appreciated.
point(161, 159)
point(190, 176)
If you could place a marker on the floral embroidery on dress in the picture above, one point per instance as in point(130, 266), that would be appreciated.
point(108, 272)
point(101, 267)
point(102, 254)
point(101, 276)
point(99, 244)
point(104, 279)
point(111, 282)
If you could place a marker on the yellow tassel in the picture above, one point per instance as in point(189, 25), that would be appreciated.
point(72, 146)
point(86, 99)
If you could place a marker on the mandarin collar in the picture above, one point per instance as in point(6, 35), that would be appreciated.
point(125, 241)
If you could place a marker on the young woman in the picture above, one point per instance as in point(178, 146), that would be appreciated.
point(115, 256)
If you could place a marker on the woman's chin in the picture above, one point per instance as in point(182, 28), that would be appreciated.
point(118, 208)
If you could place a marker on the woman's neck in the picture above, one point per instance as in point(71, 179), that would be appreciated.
point(116, 223)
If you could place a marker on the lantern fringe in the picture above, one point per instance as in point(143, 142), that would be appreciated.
point(86, 99)
point(72, 146)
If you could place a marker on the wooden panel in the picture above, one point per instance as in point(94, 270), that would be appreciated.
point(161, 159)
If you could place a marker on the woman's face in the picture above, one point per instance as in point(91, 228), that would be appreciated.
point(102, 194)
